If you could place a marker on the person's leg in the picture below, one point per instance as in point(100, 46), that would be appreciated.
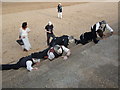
point(52, 43)
point(10, 66)
point(48, 39)
point(52, 35)
point(58, 14)
point(61, 15)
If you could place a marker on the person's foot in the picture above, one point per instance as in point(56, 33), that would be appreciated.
point(76, 42)
point(25, 50)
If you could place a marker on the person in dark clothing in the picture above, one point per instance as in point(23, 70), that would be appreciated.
point(49, 30)
point(26, 62)
point(100, 25)
point(53, 52)
point(59, 7)
point(62, 40)
point(89, 36)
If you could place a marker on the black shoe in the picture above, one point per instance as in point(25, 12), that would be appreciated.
point(25, 50)
point(76, 42)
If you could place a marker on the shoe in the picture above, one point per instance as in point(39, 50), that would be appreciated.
point(25, 50)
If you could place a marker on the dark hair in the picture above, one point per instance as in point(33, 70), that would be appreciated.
point(24, 24)
point(100, 32)
point(103, 22)
point(35, 55)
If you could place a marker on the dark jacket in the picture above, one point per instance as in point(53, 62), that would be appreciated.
point(49, 28)
point(63, 40)
point(59, 8)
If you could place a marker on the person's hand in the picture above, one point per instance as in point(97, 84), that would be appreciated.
point(37, 63)
point(49, 32)
point(111, 33)
point(35, 68)
point(65, 57)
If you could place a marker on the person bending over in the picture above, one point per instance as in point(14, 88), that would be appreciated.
point(89, 36)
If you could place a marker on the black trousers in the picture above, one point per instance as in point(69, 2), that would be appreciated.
point(10, 66)
point(48, 38)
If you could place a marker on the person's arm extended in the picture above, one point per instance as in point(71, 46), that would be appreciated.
point(51, 56)
point(67, 51)
point(29, 66)
point(109, 28)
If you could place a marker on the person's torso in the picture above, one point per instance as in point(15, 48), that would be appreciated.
point(49, 28)
point(88, 36)
point(23, 60)
point(59, 8)
point(93, 28)
point(54, 53)
point(24, 33)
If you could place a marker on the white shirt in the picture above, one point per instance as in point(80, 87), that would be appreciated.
point(24, 33)
point(52, 56)
point(29, 64)
point(107, 27)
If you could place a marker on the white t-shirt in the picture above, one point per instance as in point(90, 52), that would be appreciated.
point(52, 56)
point(24, 33)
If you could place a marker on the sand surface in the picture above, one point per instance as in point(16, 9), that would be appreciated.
point(77, 18)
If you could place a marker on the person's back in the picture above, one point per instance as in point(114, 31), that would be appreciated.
point(62, 40)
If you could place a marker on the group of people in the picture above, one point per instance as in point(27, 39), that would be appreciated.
point(57, 46)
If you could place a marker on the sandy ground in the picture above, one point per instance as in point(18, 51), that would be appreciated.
point(93, 66)
point(76, 20)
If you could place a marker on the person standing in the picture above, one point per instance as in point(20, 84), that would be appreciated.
point(23, 35)
point(59, 7)
point(49, 30)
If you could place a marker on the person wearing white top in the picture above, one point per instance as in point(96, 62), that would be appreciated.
point(23, 34)
point(101, 25)
point(57, 51)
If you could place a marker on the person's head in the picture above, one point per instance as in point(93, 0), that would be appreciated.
point(59, 3)
point(49, 23)
point(103, 23)
point(100, 33)
point(71, 39)
point(24, 25)
point(58, 49)
point(35, 57)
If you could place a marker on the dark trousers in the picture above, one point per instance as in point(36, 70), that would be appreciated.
point(48, 38)
point(10, 66)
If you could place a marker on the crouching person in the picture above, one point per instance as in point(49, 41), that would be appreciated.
point(101, 25)
point(26, 62)
point(58, 50)
point(62, 40)
point(89, 36)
